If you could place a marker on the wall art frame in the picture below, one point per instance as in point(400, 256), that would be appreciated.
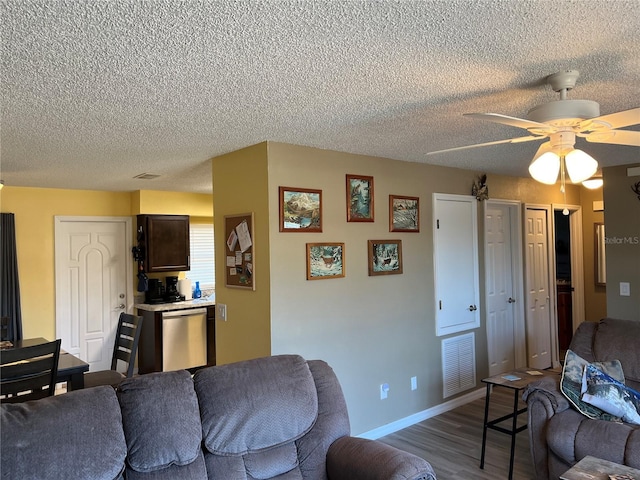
point(404, 214)
point(325, 260)
point(384, 257)
point(300, 210)
point(360, 198)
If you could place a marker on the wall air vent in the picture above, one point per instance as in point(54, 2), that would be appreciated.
point(458, 364)
point(146, 176)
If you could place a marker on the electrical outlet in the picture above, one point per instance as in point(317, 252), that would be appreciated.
point(221, 312)
point(384, 391)
point(414, 383)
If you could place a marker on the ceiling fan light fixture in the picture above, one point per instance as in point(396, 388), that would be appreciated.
point(545, 168)
point(593, 183)
point(580, 165)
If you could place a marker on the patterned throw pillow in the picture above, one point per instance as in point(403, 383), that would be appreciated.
point(571, 383)
point(611, 396)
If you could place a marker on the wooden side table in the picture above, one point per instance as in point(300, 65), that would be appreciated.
point(592, 468)
point(509, 380)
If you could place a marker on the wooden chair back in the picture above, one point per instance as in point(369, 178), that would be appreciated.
point(126, 345)
point(29, 373)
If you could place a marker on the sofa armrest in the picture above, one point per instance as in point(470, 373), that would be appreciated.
point(544, 400)
point(352, 458)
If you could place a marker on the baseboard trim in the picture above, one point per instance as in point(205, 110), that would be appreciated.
point(423, 415)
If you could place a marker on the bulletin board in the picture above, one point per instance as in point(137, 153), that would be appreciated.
point(239, 259)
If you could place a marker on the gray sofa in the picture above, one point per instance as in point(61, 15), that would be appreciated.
point(278, 417)
point(561, 436)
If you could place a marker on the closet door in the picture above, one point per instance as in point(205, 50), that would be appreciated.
point(455, 263)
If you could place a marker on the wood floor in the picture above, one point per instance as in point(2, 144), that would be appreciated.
point(452, 442)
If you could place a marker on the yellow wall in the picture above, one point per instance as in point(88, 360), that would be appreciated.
point(240, 186)
point(35, 209)
point(371, 330)
point(172, 203)
point(595, 296)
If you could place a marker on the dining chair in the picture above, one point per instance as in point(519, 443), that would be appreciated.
point(29, 373)
point(126, 345)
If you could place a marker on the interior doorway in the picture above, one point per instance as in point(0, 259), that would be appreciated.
point(564, 289)
point(568, 273)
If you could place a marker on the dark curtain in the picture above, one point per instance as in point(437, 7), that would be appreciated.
point(10, 287)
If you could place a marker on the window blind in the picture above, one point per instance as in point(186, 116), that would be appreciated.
point(202, 255)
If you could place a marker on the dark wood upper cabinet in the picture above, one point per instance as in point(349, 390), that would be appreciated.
point(166, 242)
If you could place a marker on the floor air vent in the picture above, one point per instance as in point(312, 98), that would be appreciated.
point(458, 364)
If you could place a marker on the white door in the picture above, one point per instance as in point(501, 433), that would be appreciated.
point(456, 263)
point(93, 286)
point(499, 289)
point(537, 285)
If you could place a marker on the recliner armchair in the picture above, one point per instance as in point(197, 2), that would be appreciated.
point(560, 436)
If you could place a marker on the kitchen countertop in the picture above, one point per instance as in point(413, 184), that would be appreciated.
point(166, 307)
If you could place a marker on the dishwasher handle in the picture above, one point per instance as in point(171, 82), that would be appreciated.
point(186, 312)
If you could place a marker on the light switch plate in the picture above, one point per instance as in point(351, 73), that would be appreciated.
point(625, 289)
point(221, 312)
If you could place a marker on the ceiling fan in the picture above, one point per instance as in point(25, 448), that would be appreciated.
point(561, 121)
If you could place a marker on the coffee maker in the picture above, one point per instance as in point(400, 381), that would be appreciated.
point(155, 292)
point(172, 294)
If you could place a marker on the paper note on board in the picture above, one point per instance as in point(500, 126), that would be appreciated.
point(244, 237)
point(232, 240)
point(231, 261)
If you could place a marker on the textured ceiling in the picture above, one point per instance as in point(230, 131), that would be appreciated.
point(96, 92)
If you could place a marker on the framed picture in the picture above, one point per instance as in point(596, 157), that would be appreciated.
point(385, 257)
point(325, 260)
point(300, 210)
point(359, 198)
point(404, 214)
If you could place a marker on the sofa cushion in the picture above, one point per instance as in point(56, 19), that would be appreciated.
point(161, 420)
point(256, 404)
point(571, 383)
point(52, 437)
point(618, 339)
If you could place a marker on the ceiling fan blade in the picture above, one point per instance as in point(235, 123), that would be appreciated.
point(497, 142)
point(613, 120)
point(616, 137)
point(513, 121)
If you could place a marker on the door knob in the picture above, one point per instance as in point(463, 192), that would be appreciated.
point(472, 308)
point(121, 306)
point(511, 300)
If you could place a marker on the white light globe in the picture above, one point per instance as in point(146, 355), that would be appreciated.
point(580, 165)
point(545, 168)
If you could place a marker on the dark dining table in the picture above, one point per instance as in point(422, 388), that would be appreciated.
point(70, 368)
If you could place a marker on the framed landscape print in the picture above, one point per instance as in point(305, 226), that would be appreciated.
point(325, 260)
point(404, 214)
point(385, 257)
point(300, 210)
point(359, 198)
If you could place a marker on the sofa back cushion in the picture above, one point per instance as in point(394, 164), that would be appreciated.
point(161, 423)
point(56, 436)
point(252, 414)
point(619, 340)
point(256, 404)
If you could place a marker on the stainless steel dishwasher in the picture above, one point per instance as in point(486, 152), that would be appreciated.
point(184, 339)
